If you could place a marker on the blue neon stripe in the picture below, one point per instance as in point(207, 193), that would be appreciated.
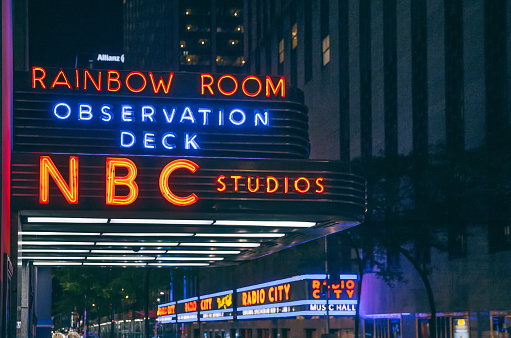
point(187, 320)
point(348, 277)
point(282, 281)
point(343, 301)
point(342, 313)
point(217, 294)
point(187, 300)
point(166, 304)
point(285, 314)
point(188, 314)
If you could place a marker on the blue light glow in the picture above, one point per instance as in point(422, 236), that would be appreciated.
point(187, 300)
point(284, 314)
point(222, 293)
point(107, 115)
point(216, 319)
point(68, 111)
point(190, 141)
point(168, 117)
point(233, 120)
point(259, 117)
point(348, 277)
point(148, 112)
point(216, 311)
point(220, 117)
point(205, 112)
point(84, 112)
point(127, 113)
point(165, 143)
point(149, 140)
point(187, 115)
point(127, 134)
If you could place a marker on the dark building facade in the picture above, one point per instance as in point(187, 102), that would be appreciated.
point(199, 35)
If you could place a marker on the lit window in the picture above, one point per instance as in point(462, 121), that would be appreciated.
point(188, 12)
point(281, 51)
point(233, 42)
point(294, 36)
point(182, 44)
point(326, 50)
point(239, 29)
point(203, 42)
point(189, 27)
point(235, 12)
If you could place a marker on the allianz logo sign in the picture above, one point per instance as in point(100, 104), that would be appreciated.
point(333, 307)
point(110, 58)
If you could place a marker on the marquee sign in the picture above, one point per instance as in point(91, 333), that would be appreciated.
point(298, 188)
point(158, 113)
point(304, 295)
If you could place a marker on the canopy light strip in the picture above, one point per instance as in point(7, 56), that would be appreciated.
point(287, 224)
point(66, 220)
point(159, 221)
point(113, 251)
point(57, 263)
point(49, 257)
point(204, 252)
point(177, 264)
point(55, 251)
point(189, 258)
point(57, 233)
point(55, 243)
point(138, 244)
point(223, 244)
point(158, 234)
point(121, 258)
point(243, 235)
point(113, 264)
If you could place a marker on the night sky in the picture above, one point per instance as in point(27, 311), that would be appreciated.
point(61, 30)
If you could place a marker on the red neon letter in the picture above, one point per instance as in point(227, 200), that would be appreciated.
point(236, 178)
point(220, 87)
point(274, 180)
point(156, 88)
point(128, 180)
point(321, 186)
point(249, 184)
point(307, 184)
point(87, 74)
point(39, 79)
point(110, 79)
point(46, 168)
point(138, 90)
point(220, 180)
point(65, 81)
point(281, 84)
point(164, 182)
point(206, 85)
point(252, 77)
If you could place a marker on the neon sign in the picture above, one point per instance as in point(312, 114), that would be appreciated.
point(269, 184)
point(137, 82)
point(277, 293)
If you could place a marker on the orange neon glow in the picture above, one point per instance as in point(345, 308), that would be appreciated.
point(249, 184)
point(138, 90)
point(321, 187)
point(40, 78)
point(286, 185)
point(316, 294)
point(110, 79)
point(77, 78)
point(47, 168)
point(206, 85)
point(191, 306)
point(164, 182)
point(161, 83)
point(87, 74)
point(64, 80)
point(128, 180)
point(268, 184)
point(220, 180)
point(236, 178)
point(227, 76)
point(206, 304)
point(251, 77)
point(281, 84)
point(277, 293)
point(307, 184)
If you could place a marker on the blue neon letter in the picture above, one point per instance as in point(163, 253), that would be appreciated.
point(125, 139)
point(190, 141)
point(84, 112)
point(127, 113)
point(149, 114)
point(66, 107)
point(187, 115)
point(149, 140)
point(166, 113)
point(233, 120)
point(258, 117)
point(205, 112)
point(165, 143)
point(107, 114)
